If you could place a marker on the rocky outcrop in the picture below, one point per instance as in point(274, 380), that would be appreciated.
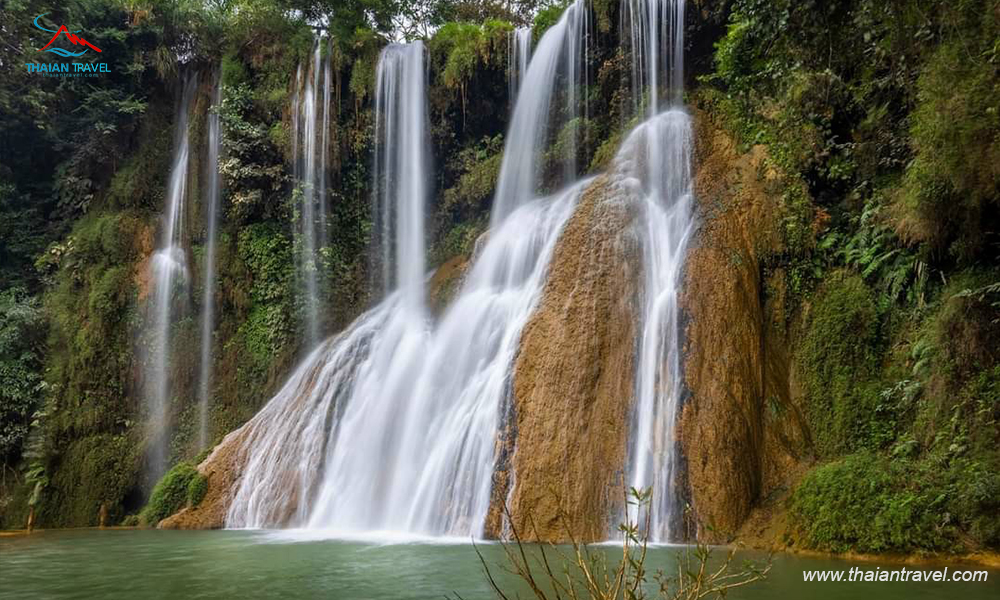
point(222, 468)
point(562, 467)
point(741, 431)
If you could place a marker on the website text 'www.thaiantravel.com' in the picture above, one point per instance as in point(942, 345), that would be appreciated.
point(857, 574)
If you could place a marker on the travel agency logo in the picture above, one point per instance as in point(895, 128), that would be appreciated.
point(66, 69)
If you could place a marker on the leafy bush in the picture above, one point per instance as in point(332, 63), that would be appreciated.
point(197, 489)
point(22, 332)
point(547, 17)
point(866, 503)
point(952, 186)
point(172, 493)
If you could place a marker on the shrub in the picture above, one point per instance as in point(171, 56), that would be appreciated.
point(197, 489)
point(172, 493)
point(867, 503)
point(951, 187)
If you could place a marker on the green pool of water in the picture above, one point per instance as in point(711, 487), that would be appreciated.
point(242, 564)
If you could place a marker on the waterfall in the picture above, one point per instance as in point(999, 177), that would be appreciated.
point(518, 54)
point(392, 425)
point(656, 161)
point(372, 364)
point(560, 56)
point(309, 171)
point(213, 189)
point(401, 169)
point(168, 271)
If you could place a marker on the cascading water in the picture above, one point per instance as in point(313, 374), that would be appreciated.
point(655, 161)
point(518, 55)
point(309, 170)
point(391, 425)
point(560, 54)
point(373, 362)
point(212, 192)
point(401, 169)
point(168, 271)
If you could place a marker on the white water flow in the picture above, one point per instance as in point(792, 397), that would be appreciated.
point(391, 426)
point(401, 169)
point(518, 55)
point(309, 168)
point(213, 189)
point(655, 160)
point(554, 73)
point(169, 270)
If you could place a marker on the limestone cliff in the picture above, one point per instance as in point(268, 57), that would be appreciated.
point(573, 382)
point(741, 431)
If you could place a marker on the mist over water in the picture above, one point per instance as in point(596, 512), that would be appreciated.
point(213, 189)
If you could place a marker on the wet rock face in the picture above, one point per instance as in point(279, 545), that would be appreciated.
point(740, 430)
point(564, 449)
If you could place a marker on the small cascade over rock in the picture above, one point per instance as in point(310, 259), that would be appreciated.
point(170, 280)
point(213, 189)
point(655, 162)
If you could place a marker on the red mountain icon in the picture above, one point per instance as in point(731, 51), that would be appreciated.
point(74, 39)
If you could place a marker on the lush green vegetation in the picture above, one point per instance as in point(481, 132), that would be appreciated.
point(884, 118)
point(887, 112)
point(182, 486)
point(82, 183)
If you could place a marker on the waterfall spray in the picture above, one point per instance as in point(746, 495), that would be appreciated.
point(169, 268)
point(213, 190)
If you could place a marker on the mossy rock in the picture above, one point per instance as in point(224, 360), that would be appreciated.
point(839, 359)
point(93, 471)
point(181, 486)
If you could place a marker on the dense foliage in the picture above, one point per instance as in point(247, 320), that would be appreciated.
point(883, 116)
point(182, 486)
point(888, 113)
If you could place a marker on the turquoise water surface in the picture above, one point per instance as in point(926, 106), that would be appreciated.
point(132, 564)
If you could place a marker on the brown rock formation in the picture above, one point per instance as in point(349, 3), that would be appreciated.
point(740, 431)
point(573, 382)
point(222, 468)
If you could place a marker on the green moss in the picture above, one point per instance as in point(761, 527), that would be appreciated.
point(869, 504)
point(197, 488)
point(173, 493)
point(90, 472)
point(955, 177)
point(140, 181)
point(839, 357)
